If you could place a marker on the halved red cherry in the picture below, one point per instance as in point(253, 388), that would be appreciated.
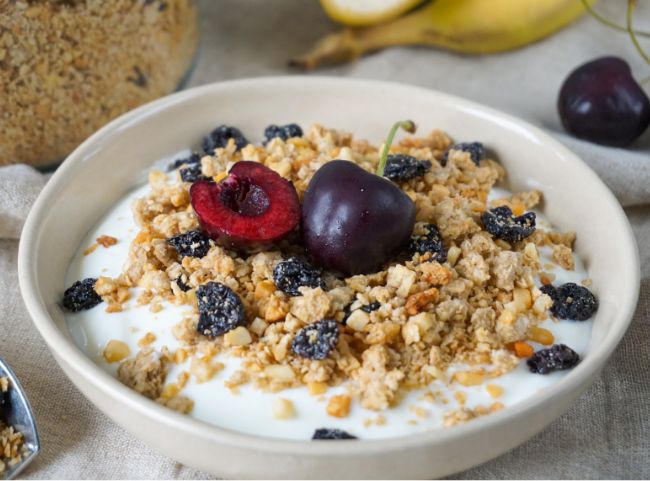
point(253, 206)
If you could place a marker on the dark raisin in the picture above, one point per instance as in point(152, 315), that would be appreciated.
point(571, 301)
point(191, 160)
point(475, 149)
point(555, 358)
point(181, 284)
point(192, 173)
point(502, 224)
point(401, 167)
point(220, 309)
point(317, 340)
point(431, 243)
point(284, 132)
point(293, 273)
point(191, 244)
point(331, 433)
point(81, 295)
point(219, 138)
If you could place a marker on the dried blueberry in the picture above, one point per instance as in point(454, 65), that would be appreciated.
point(191, 244)
point(219, 138)
point(475, 149)
point(401, 167)
point(293, 273)
point(220, 309)
point(502, 224)
point(284, 132)
point(429, 243)
point(81, 295)
point(317, 340)
point(191, 160)
point(331, 433)
point(192, 173)
point(555, 358)
point(571, 301)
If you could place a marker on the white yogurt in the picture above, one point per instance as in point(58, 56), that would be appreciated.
point(249, 411)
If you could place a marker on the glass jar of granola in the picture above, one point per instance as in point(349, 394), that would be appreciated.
point(67, 67)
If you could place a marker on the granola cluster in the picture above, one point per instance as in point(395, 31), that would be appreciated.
point(478, 308)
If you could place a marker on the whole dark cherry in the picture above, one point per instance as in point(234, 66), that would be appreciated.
point(600, 101)
point(354, 221)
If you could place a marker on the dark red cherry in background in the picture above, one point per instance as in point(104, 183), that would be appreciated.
point(601, 102)
point(355, 221)
point(253, 206)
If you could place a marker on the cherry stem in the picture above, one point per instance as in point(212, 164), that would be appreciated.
point(631, 4)
point(609, 23)
point(407, 125)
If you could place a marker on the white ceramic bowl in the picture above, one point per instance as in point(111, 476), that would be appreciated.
point(118, 156)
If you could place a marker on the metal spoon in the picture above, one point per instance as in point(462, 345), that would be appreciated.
point(15, 411)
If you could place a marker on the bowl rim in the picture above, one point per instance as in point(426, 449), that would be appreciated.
point(65, 350)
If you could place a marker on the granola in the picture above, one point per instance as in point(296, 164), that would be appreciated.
point(478, 308)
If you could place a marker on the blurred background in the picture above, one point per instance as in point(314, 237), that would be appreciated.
point(69, 66)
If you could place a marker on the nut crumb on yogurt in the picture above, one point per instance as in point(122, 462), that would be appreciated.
point(459, 306)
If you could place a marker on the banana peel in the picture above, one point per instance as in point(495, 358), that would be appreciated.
point(464, 26)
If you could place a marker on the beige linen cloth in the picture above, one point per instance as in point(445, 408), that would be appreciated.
point(606, 434)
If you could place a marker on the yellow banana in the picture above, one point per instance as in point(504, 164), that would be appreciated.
point(466, 26)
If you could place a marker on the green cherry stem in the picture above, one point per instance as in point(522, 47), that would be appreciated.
point(631, 4)
point(609, 23)
point(407, 125)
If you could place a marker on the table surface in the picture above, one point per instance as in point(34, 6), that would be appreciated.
point(604, 435)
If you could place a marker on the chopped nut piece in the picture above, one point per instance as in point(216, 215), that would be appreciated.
point(401, 278)
point(453, 254)
point(238, 337)
point(563, 255)
point(147, 339)
point(540, 335)
point(317, 388)
point(523, 349)
point(258, 326)
point(280, 372)
point(358, 319)
point(522, 299)
point(494, 390)
point(416, 302)
point(283, 409)
point(470, 378)
point(106, 241)
point(339, 406)
point(115, 351)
